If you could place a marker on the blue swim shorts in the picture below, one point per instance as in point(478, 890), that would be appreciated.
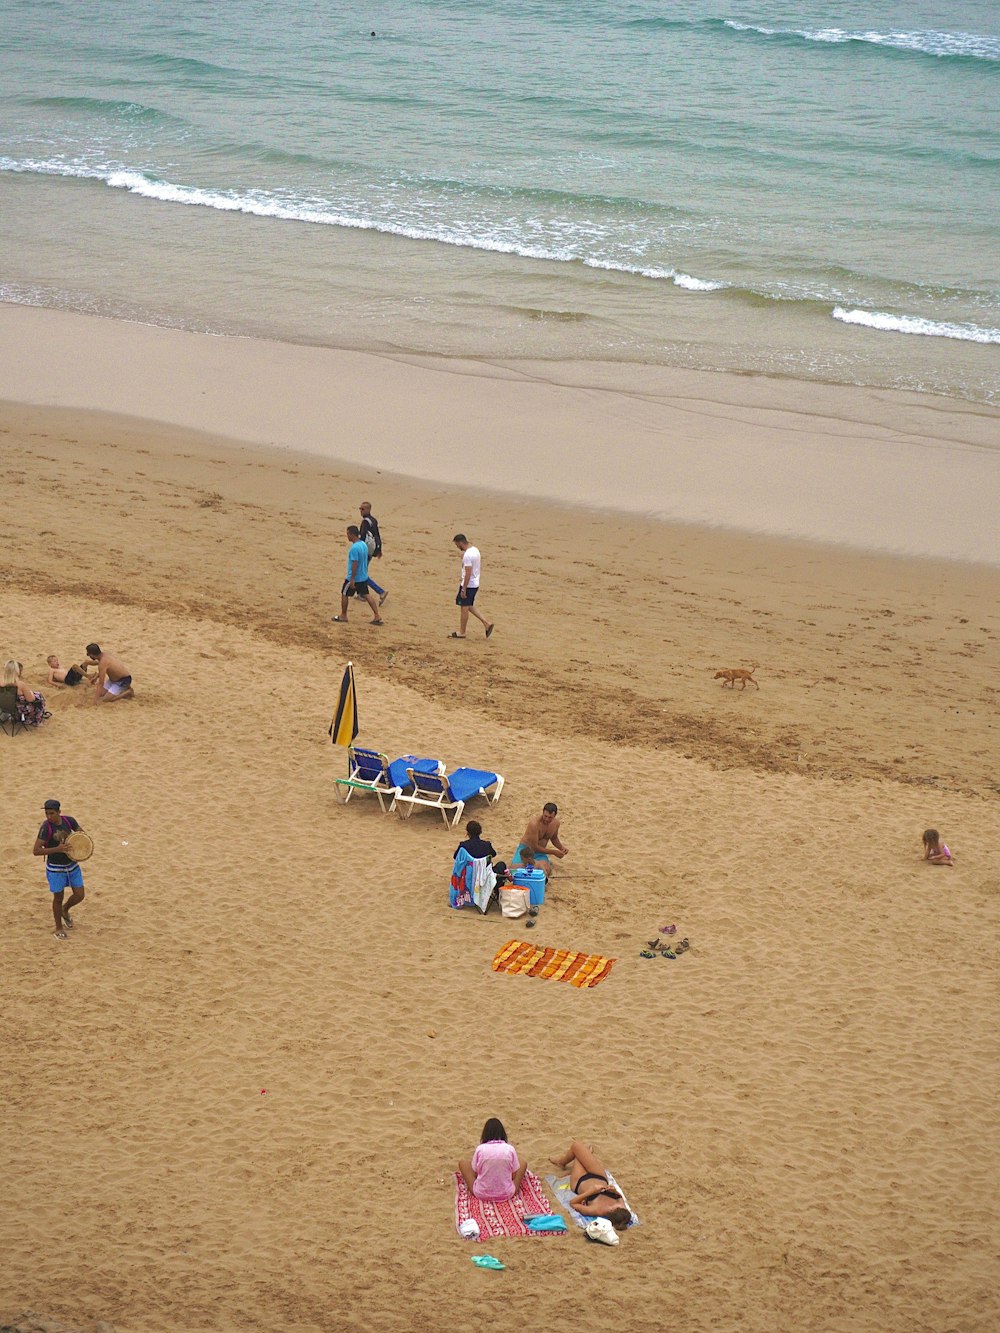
point(64, 877)
point(539, 856)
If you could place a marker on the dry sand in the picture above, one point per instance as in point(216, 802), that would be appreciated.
point(801, 1109)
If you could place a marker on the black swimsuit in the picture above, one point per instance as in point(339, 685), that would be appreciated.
point(608, 1193)
point(590, 1175)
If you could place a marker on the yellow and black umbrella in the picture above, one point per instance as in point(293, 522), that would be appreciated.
point(344, 726)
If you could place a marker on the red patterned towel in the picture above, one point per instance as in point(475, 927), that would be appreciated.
point(507, 1218)
point(579, 969)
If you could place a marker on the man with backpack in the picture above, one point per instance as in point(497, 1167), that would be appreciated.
point(372, 538)
point(61, 870)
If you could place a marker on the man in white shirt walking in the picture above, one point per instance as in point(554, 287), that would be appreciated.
point(469, 586)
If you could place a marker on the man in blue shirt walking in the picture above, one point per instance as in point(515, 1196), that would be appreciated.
point(356, 583)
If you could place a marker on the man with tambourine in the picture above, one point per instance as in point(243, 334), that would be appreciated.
point(64, 845)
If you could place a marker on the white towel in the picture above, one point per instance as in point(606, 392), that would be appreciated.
point(484, 881)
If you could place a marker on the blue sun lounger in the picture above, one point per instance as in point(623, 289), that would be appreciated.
point(367, 770)
point(448, 792)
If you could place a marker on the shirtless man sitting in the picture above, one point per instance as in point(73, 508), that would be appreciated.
point(113, 680)
point(541, 837)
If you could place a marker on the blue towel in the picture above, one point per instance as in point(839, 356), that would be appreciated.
point(545, 1222)
point(465, 783)
point(398, 767)
point(460, 892)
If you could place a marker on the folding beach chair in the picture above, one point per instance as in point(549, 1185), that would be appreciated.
point(367, 770)
point(10, 718)
point(439, 791)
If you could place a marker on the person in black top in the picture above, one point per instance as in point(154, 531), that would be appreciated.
point(475, 844)
point(61, 870)
point(372, 538)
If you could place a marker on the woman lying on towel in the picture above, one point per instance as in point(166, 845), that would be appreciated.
point(593, 1195)
point(493, 1173)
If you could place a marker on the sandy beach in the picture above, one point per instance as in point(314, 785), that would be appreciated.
point(235, 1097)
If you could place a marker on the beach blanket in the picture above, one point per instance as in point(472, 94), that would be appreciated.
point(505, 1218)
point(579, 969)
point(563, 1191)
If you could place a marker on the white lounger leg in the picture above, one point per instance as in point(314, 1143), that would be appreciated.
point(458, 814)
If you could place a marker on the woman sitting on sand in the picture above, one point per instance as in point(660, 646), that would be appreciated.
point(493, 1173)
point(30, 704)
point(594, 1195)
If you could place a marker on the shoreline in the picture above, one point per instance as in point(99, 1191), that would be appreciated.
point(722, 451)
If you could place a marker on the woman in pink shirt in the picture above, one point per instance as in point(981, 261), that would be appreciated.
point(494, 1173)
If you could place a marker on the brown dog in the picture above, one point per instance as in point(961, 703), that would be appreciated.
point(730, 675)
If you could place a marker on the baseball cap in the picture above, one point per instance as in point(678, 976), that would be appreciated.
point(52, 805)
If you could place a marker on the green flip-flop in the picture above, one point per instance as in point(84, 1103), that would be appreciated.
point(646, 953)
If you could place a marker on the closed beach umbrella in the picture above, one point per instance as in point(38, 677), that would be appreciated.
point(344, 726)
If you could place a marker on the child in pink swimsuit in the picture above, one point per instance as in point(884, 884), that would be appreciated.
point(935, 850)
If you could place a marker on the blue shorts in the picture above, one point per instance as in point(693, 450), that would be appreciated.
point(64, 877)
point(539, 856)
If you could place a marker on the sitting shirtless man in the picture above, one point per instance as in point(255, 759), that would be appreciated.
point(541, 837)
point(113, 680)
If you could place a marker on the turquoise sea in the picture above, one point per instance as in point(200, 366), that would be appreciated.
point(800, 189)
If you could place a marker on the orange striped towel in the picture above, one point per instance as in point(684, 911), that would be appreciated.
point(579, 969)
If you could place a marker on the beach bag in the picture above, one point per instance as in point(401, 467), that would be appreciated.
point(370, 543)
point(514, 902)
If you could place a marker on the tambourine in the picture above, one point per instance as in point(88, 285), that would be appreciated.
point(78, 846)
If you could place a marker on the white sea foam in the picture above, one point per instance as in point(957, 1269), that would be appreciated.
point(324, 213)
point(930, 42)
point(928, 328)
point(690, 284)
point(669, 274)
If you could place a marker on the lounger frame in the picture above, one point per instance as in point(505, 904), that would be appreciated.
point(431, 790)
point(368, 770)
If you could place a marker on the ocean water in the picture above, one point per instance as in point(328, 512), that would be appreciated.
point(798, 189)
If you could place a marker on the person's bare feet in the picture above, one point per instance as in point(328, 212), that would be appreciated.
point(67, 919)
point(558, 1161)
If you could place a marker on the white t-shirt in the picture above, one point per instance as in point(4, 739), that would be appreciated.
point(471, 560)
